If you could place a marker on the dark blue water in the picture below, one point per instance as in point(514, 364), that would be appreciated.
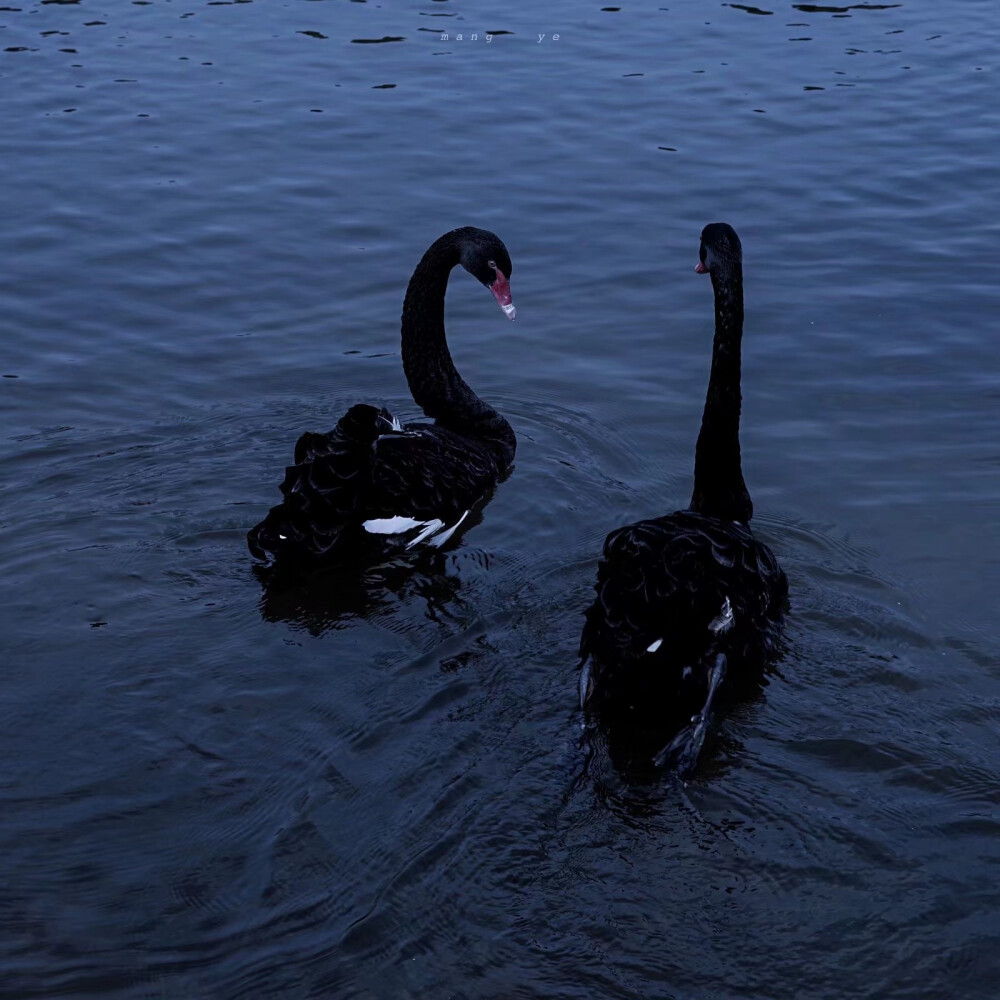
point(208, 215)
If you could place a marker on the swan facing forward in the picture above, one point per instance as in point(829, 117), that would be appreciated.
point(371, 480)
point(690, 602)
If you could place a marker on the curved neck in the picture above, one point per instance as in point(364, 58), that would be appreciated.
point(434, 382)
point(719, 489)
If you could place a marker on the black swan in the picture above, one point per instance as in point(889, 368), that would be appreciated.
point(690, 602)
point(371, 481)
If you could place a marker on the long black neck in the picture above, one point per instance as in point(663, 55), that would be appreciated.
point(719, 489)
point(436, 386)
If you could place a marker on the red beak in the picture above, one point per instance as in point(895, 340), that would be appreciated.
point(501, 292)
point(700, 268)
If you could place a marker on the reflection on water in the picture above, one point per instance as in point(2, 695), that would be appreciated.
point(331, 599)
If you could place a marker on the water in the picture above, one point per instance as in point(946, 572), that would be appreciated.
point(209, 218)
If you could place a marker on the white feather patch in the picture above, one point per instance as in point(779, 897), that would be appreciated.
point(391, 525)
point(439, 540)
point(396, 425)
point(724, 620)
point(430, 531)
point(654, 646)
point(435, 524)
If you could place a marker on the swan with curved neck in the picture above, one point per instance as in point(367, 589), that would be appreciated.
point(688, 605)
point(371, 482)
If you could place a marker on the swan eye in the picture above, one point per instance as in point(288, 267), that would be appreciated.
point(492, 264)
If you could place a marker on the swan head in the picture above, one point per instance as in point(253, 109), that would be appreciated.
point(720, 248)
point(484, 256)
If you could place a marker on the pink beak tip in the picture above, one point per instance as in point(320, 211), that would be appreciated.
point(501, 292)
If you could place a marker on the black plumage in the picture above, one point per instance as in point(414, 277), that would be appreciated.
point(689, 604)
point(354, 490)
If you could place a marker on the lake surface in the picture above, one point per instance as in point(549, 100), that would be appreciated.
point(209, 215)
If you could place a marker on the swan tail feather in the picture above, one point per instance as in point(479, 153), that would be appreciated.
point(323, 489)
